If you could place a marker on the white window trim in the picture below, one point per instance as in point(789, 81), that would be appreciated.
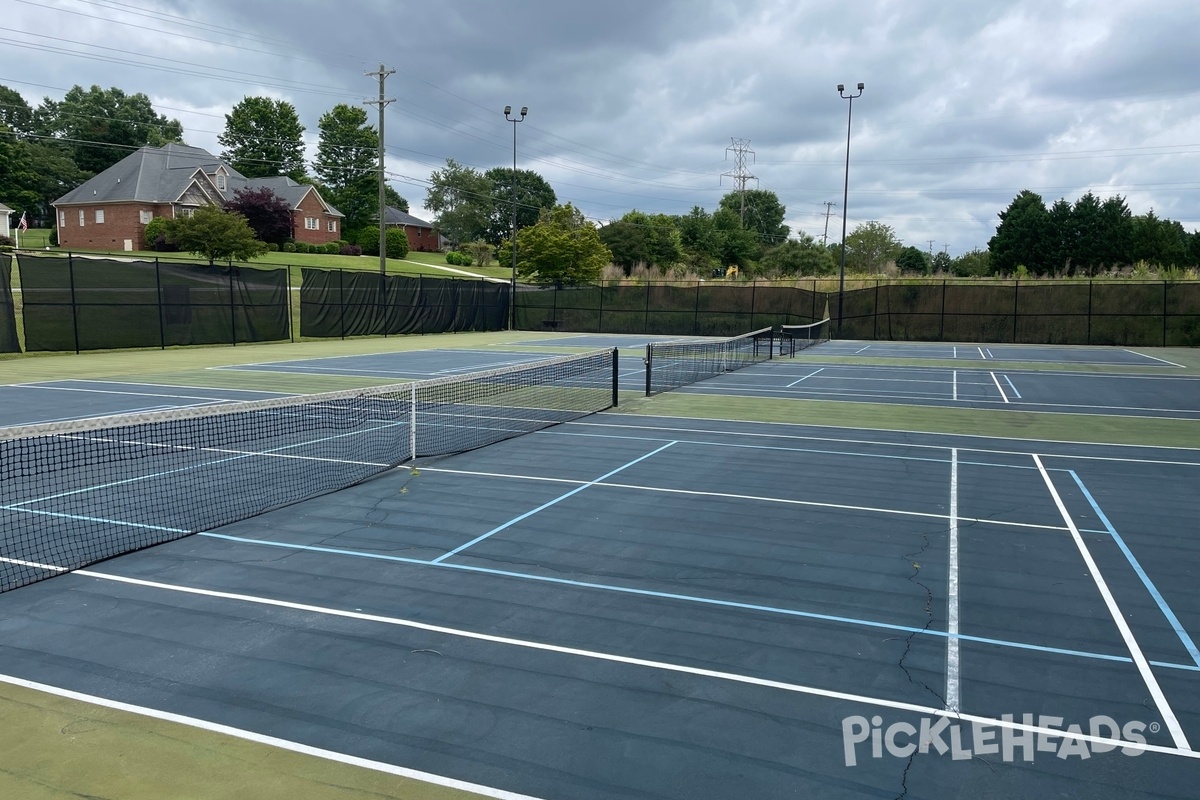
point(99, 216)
point(331, 226)
point(82, 214)
point(310, 224)
point(145, 216)
point(62, 219)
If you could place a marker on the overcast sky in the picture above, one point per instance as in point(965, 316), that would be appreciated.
point(635, 104)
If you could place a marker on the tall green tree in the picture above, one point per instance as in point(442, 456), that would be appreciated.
point(800, 256)
point(533, 195)
point(639, 238)
point(1060, 240)
point(914, 261)
point(760, 212)
point(870, 246)
point(461, 199)
point(737, 246)
point(1023, 236)
point(347, 164)
point(15, 112)
point(104, 125)
point(562, 249)
point(393, 199)
point(34, 173)
point(263, 138)
point(1162, 242)
point(214, 234)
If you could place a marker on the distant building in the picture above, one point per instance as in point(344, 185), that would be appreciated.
point(421, 235)
point(111, 210)
point(5, 224)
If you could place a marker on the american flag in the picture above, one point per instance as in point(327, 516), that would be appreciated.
point(22, 225)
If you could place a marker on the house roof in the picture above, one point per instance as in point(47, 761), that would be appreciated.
point(394, 216)
point(165, 174)
point(5, 208)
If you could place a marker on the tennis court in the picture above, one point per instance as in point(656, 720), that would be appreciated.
point(649, 605)
point(1056, 354)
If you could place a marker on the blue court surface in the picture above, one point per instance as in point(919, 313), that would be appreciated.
point(55, 401)
point(636, 606)
point(808, 377)
point(1054, 354)
point(594, 341)
point(427, 364)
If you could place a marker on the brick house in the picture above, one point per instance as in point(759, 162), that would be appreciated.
point(421, 235)
point(111, 210)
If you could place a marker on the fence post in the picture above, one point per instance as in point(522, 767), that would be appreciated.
point(600, 321)
point(753, 292)
point(291, 322)
point(813, 317)
point(874, 315)
point(232, 313)
point(942, 320)
point(342, 303)
point(696, 312)
point(74, 309)
point(646, 321)
point(1089, 312)
point(1164, 314)
point(1016, 306)
point(162, 332)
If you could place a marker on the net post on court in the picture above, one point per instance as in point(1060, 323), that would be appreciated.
point(794, 338)
point(77, 492)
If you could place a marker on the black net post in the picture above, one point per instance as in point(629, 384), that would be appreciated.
point(649, 366)
point(600, 306)
point(646, 319)
point(696, 312)
point(616, 376)
point(753, 290)
point(875, 316)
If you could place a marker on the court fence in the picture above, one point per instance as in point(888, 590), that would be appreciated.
point(72, 303)
point(69, 302)
point(1099, 312)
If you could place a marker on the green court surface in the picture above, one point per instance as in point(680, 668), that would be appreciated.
point(66, 747)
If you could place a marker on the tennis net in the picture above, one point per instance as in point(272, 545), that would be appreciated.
point(670, 365)
point(74, 493)
point(794, 338)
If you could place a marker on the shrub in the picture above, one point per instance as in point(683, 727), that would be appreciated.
point(368, 240)
point(272, 247)
point(156, 234)
point(303, 247)
point(397, 243)
point(6, 241)
point(350, 250)
point(54, 237)
point(289, 247)
point(453, 258)
point(465, 259)
point(331, 248)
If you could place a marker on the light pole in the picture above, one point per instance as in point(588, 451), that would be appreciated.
point(845, 197)
point(512, 300)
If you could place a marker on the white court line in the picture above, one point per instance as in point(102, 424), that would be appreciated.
point(895, 444)
point(1008, 380)
point(806, 377)
point(856, 352)
point(953, 702)
point(989, 352)
point(271, 741)
point(664, 666)
point(955, 379)
point(981, 355)
point(956, 351)
point(999, 388)
point(1156, 358)
point(1160, 700)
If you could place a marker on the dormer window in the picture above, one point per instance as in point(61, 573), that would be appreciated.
point(221, 181)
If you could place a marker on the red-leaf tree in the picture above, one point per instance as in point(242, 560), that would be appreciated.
point(266, 213)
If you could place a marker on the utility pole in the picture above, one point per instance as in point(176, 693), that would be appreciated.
point(829, 204)
point(381, 102)
point(739, 173)
point(931, 241)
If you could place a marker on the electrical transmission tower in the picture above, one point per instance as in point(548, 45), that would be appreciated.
point(829, 204)
point(739, 173)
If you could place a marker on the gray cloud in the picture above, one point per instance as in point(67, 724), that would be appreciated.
point(632, 104)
